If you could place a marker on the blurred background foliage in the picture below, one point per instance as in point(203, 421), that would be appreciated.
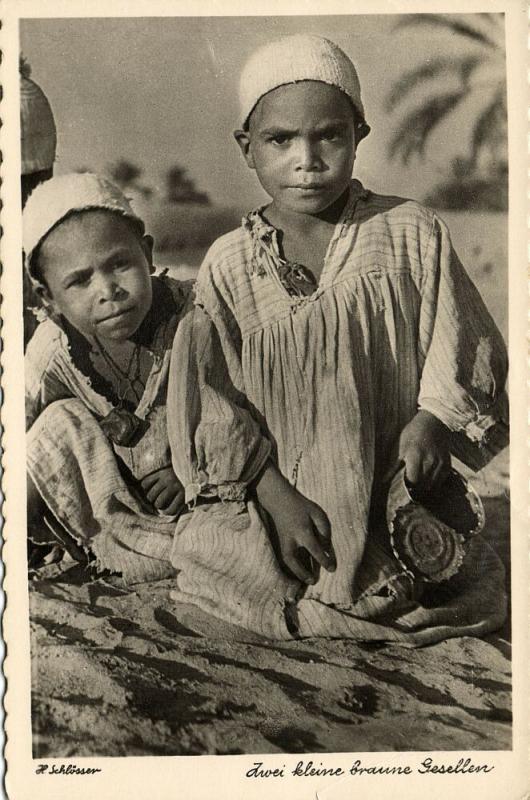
point(431, 92)
point(434, 87)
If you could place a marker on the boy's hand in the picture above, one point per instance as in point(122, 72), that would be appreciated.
point(302, 527)
point(164, 490)
point(424, 449)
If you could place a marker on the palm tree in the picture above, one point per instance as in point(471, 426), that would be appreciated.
point(475, 79)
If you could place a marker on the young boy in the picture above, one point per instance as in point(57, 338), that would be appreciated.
point(96, 371)
point(336, 335)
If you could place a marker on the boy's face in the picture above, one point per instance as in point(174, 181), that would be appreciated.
point(301, 142)
point(97, 274)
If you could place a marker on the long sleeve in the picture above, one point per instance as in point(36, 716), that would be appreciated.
point(216, 443)
point(43, 382)
point(465, 358)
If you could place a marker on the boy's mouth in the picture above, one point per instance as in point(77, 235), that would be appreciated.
point(122, 312)
point(308, 187)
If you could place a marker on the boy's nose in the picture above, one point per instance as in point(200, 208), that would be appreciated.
point(108, 289)
point(308, 155)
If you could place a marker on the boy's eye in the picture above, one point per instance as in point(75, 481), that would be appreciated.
point(279, 138)
point(79, 280)
point(330, 135)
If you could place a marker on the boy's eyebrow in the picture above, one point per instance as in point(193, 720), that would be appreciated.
point(332, 123)
point(277, 129)
point(84, 272)
point(322, 126)
point(75, 273)
point(121, 249)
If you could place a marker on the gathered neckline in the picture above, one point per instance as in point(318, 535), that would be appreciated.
point(295, 280)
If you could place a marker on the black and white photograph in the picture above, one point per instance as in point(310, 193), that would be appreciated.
point(258, 313)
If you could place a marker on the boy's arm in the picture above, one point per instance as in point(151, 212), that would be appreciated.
point(42, 378)
point(466, 363)
point(300, 528)
point(424, 449)
point(217, 445)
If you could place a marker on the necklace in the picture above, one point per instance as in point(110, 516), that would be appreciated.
point(132, 383)
point(120, 425)
point(297, 279)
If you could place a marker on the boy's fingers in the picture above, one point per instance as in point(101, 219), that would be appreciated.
point(321, 550)
point(396, 465)
point(440, 473)
point(165, 497)
point(413, 467)
point(173, 506)
point(154, 491)
point(322, 527)
point(322, 523)
point(149, 480)
point(325, 558)
point(298, 569)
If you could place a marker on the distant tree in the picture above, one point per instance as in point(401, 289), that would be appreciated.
point(466, 189)
point(126, 175)
point(476, 80)
point(181, 189)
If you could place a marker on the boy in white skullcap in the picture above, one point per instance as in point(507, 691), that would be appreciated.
point(335, 336)
point(98, 459)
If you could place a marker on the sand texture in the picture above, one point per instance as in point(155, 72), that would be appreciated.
point(121, 672)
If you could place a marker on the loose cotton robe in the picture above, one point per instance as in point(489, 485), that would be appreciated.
point(72, 462)
point(323, 385)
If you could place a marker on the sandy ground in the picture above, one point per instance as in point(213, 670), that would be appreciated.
point(119, 672)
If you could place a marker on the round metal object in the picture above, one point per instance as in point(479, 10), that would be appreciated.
point(430, 531)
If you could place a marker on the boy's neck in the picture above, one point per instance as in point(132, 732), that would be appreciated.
point(287, 220)
point(305, 238)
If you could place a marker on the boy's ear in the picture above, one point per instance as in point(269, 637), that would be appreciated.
point(44, 295)
point(146, 244)
point(243, 140)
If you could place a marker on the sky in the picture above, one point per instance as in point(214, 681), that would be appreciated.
point(163, 91)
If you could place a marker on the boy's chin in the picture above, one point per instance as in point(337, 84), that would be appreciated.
point(113, 333)
point(312, 203)
point(118, 333)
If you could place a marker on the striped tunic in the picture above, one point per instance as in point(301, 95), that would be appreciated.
point(71, 461)
point(324, 384)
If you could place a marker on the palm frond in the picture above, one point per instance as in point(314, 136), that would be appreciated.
point(489, 127)
point(467, 66)
point(460, 67)
point(451, 25)
point(416, 127)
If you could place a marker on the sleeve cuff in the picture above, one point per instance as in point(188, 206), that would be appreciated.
point(233, 491)
point(228, 491)
point(478, 439)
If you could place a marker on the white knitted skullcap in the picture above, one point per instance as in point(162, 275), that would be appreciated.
point(37, 128)
point(58, 197)
point(302, 57)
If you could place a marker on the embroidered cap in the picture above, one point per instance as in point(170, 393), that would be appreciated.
point(55, 199)
point(302, 57)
